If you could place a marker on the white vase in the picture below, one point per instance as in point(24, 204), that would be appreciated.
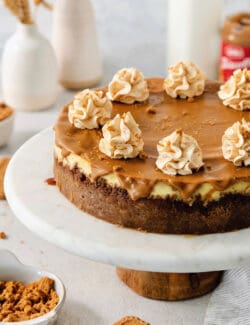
point(75, 44)
point(29, 70)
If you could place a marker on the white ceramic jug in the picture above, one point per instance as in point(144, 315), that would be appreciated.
point(75, 43)
point(29, 70)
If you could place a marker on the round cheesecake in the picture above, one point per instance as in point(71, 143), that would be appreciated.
point(133, 192)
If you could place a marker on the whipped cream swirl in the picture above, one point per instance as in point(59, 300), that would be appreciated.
point(236, 143)
point(122, 137)
point(90, 109)
point(235, 93)
point(128, 86)
point(179, 153)
point(184, 80)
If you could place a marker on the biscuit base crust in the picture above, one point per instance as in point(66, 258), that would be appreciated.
point(169, 216)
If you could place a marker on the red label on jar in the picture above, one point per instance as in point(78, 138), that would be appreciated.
point(233, 57)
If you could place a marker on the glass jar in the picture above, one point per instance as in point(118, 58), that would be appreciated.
point(235, 45)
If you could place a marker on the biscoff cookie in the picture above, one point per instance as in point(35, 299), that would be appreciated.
point(3, 165)
point(131, 320)
point(20, 302)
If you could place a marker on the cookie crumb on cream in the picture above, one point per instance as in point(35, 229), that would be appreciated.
point(185, 80)
point(128, 86)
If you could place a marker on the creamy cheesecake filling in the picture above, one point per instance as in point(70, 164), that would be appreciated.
point(160, 190)
point(204, 117)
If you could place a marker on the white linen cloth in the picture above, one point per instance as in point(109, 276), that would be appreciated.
point(230, 302)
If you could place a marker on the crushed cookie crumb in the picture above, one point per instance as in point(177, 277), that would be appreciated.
point(50, 181)
point(118, 169)
point(143, 155)
point(20, 302)
point(3, 235)
point(151, 110)
point(100, 156)
point(190, 100)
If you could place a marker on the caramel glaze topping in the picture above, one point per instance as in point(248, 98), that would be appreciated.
point(205, 118)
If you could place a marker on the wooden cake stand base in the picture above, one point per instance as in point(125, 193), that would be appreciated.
point(169, 286)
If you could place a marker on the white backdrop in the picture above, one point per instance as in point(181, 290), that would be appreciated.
point(131, 33)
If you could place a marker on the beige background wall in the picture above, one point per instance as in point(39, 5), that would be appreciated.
point(131, 32)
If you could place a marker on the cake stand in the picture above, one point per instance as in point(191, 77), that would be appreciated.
point(142, 259)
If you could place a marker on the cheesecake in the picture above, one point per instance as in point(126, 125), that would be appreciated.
point(141, 187)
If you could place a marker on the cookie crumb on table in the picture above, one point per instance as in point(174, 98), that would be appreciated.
point(3, 166)
point(130, 320)
point(20, 302)
point(3, 235)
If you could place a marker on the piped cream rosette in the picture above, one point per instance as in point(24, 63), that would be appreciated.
point(236, 143)
point(235, 93)
point(179, 154)
point(128, 86)
point(90, 109)
point(184, 80)
point(122, 137)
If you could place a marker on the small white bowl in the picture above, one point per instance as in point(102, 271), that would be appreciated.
point(12, 269)
point(6, 127)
